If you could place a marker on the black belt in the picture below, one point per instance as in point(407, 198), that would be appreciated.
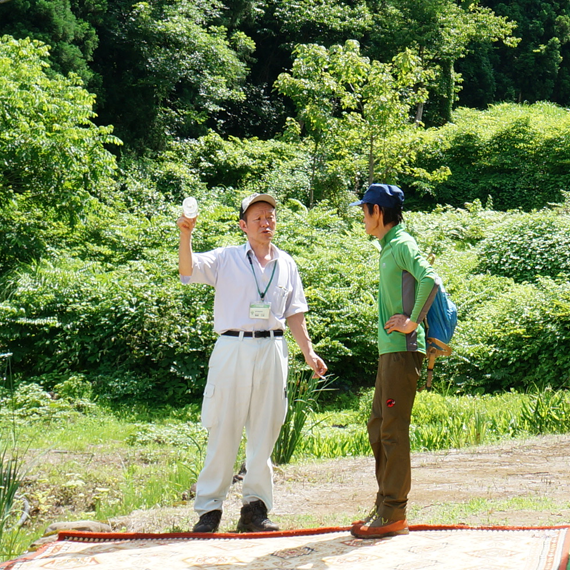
point(254, 334)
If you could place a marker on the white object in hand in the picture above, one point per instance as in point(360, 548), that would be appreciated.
point(190, 207)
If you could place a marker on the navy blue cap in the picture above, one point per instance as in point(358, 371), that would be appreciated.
point(382, 194)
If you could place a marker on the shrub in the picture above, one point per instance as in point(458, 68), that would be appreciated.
point(514, 339)
point(133, 331)
point(527, 246)
point(516, 154)
point(339, 269)
point(54, 161)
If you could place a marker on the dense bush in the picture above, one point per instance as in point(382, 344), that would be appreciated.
point(111, 309)
point(517, 155)
point(339, 271)
point(134, 331)
point(528, 246)
point(509, 335)
point(55, 164)
point(518, 339)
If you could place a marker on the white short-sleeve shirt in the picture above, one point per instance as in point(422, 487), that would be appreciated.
point(229, 271)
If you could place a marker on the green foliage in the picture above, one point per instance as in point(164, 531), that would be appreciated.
point(537, 68)
point(57, 23)
point(111, 312)
point(515, 340)
point(329, 442)
point(323, 21)
point(77, 391)
point(122, 329)
point(11, 475)
point(354, 111)
point(509, 334)
point(54, 162)
point(340, 276)
point(528, 246)
point(515, 154)
point(443, 421)
point(246, 163)
point(167, 68)
point(53, 154)
point(12, 466)
point(442, 32)
point(303, 392)
point(185, 436)
point(30, 402)
point(547, 412)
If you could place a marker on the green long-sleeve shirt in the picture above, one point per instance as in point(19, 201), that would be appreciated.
point(407, 286)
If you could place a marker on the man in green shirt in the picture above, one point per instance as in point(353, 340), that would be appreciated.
point(406, 290)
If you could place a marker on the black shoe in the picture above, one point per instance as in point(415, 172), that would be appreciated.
point(254, 518)
point(209, 522)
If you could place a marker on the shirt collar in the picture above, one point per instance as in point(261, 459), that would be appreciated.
point(274, 251)
point(392, 233)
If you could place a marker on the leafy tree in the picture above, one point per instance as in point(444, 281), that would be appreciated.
point(167, 68)
point(54, 159)
point(57, 23)
point(322, 21)
point(441, 32)
point(276, 27)
point(351, 108)
point(537, 69)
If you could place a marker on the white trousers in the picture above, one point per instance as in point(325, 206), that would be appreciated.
point(246, 387)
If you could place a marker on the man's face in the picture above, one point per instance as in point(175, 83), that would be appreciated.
point(259, 223)
point(371, 221)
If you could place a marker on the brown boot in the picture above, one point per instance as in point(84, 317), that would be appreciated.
point(254, 518)
point(380, 528)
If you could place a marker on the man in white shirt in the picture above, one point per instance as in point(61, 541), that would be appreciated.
point(258, 293)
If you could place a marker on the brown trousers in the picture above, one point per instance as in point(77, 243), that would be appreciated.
point(389, 430)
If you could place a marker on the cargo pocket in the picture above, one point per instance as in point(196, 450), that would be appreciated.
point(209, 406)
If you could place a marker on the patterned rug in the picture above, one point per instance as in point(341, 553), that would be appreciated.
point(429, 547)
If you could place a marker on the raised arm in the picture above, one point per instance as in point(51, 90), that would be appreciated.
point(186, 226)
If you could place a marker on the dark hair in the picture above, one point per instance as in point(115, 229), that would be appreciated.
point(242, 213)
point(389, 215)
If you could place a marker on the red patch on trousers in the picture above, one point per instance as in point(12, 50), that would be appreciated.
point(390, 403)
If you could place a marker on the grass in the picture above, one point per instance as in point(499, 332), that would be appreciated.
point(442, 422)
point(11, 476)
point(99, 463)
point(480, 511)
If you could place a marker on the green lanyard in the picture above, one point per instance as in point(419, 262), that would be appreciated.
point(262, 295)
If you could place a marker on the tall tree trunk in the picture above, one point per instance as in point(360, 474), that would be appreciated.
point(419, 113)
point(448, 89)
point(313, 175)
point(371, 161)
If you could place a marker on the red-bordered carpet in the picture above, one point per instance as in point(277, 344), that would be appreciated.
point(429, 547)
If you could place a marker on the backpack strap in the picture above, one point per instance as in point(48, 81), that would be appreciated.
point(435, 348)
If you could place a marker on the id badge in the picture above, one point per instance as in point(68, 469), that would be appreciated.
point(259, 310)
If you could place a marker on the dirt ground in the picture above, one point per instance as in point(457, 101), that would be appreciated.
point(522, 483)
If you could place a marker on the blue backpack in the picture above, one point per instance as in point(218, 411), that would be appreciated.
point(441, 321)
